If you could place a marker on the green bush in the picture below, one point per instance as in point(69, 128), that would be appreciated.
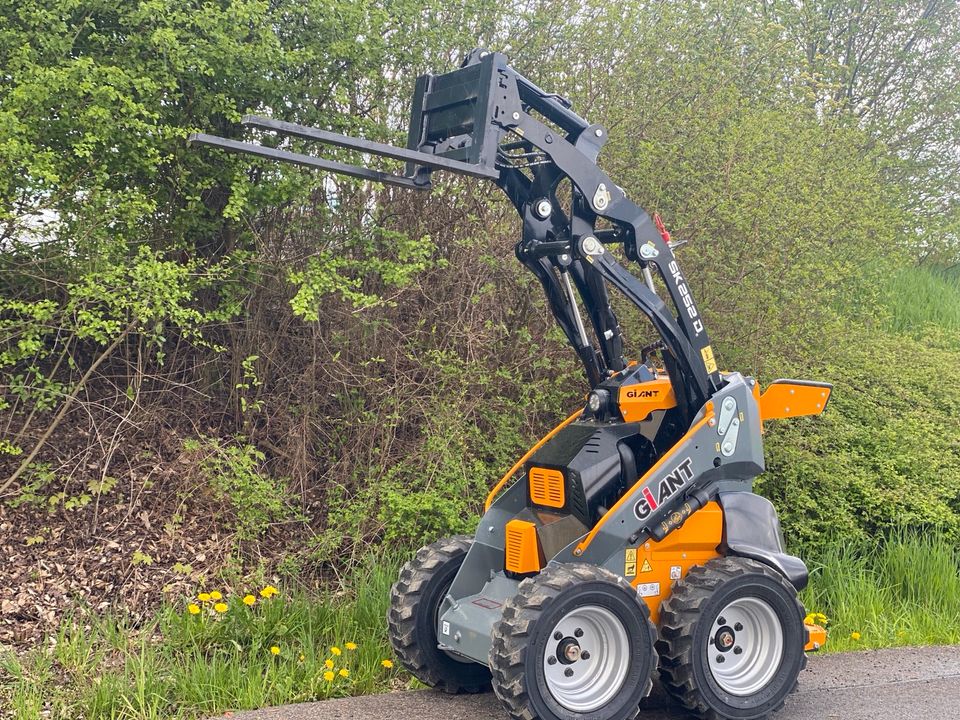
point(236, 475)
point(885, 454)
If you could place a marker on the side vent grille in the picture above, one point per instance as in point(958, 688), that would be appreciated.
point(546, 487)
point(522, 553)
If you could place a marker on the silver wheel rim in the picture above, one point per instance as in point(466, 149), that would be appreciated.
point(586, 659)
point(745, 646)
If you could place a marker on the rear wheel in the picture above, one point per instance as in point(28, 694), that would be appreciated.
point(413, 615)
point(575, 641)
point(731, 640)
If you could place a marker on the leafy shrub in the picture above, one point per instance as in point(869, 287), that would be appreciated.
point(236, 475)
point(885, 454)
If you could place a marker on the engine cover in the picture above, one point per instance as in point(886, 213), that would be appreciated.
point(598, 461)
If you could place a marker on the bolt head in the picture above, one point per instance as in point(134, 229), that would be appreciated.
point(578, 633)
point(551, 660)
point(568, 672)
point(516, 116)
point(720, 658)
point(598, 132)
point(558, 635)
point(721, 620)
point(590, 244)
point(585, 655)
point(737, 650)
point(738, 627)
point(543, 209)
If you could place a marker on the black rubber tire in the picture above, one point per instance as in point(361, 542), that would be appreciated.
point(687, 617)
point(520, 636)
point(412, 619)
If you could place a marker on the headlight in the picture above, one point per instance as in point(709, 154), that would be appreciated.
point(593, 402)
point(596, 400)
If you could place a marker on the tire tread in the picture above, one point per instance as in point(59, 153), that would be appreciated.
point(405, 595)
point(678, 617)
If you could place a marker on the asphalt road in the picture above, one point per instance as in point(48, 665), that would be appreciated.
point(898, 684)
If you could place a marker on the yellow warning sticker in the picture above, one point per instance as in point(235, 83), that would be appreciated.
point(708, 360)
point(646, 566)
point(630, 562)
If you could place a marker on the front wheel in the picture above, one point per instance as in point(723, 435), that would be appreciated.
point(412, 619)
point(574, 642)
point(731, 640)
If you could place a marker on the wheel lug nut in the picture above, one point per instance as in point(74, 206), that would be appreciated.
point(558, 635)
point(578, 633)
point(585, 655)
point(721, 620)
point(568, 672)
point(720, 658)
point(738, 627)
point(551, 660)
point(737, 650)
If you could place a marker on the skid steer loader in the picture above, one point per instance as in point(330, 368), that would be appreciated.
point(630, 539)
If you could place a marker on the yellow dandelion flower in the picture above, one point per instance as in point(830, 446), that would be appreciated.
point(854, 636)
point(329, 663)
point(387, 663)
point(335, 650)
point(193, 609)
point(220, 607)
point(269, 591)
point(329, 676)
point(301, 657)
point(249, 599)
point(216, 595)
point(203, 597)
point(274, 650)
point(350, 646)
point(344, 672)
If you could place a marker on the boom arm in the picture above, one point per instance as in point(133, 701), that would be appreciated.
point(485, 120)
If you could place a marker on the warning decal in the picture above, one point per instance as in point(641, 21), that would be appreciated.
point(708, 361)
point(646, 566)
point(630, 562)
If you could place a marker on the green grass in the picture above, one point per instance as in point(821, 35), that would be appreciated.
point(182, 665)
point(918, 296)
point(906, 591)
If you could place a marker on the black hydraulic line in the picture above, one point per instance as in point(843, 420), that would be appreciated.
point(692, 387)
point(563, 314)
point(596, 300)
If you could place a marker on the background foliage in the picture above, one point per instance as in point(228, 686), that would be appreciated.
point(345, 363)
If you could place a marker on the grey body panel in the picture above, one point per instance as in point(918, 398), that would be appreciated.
point(709, 469)
point(719, 460)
